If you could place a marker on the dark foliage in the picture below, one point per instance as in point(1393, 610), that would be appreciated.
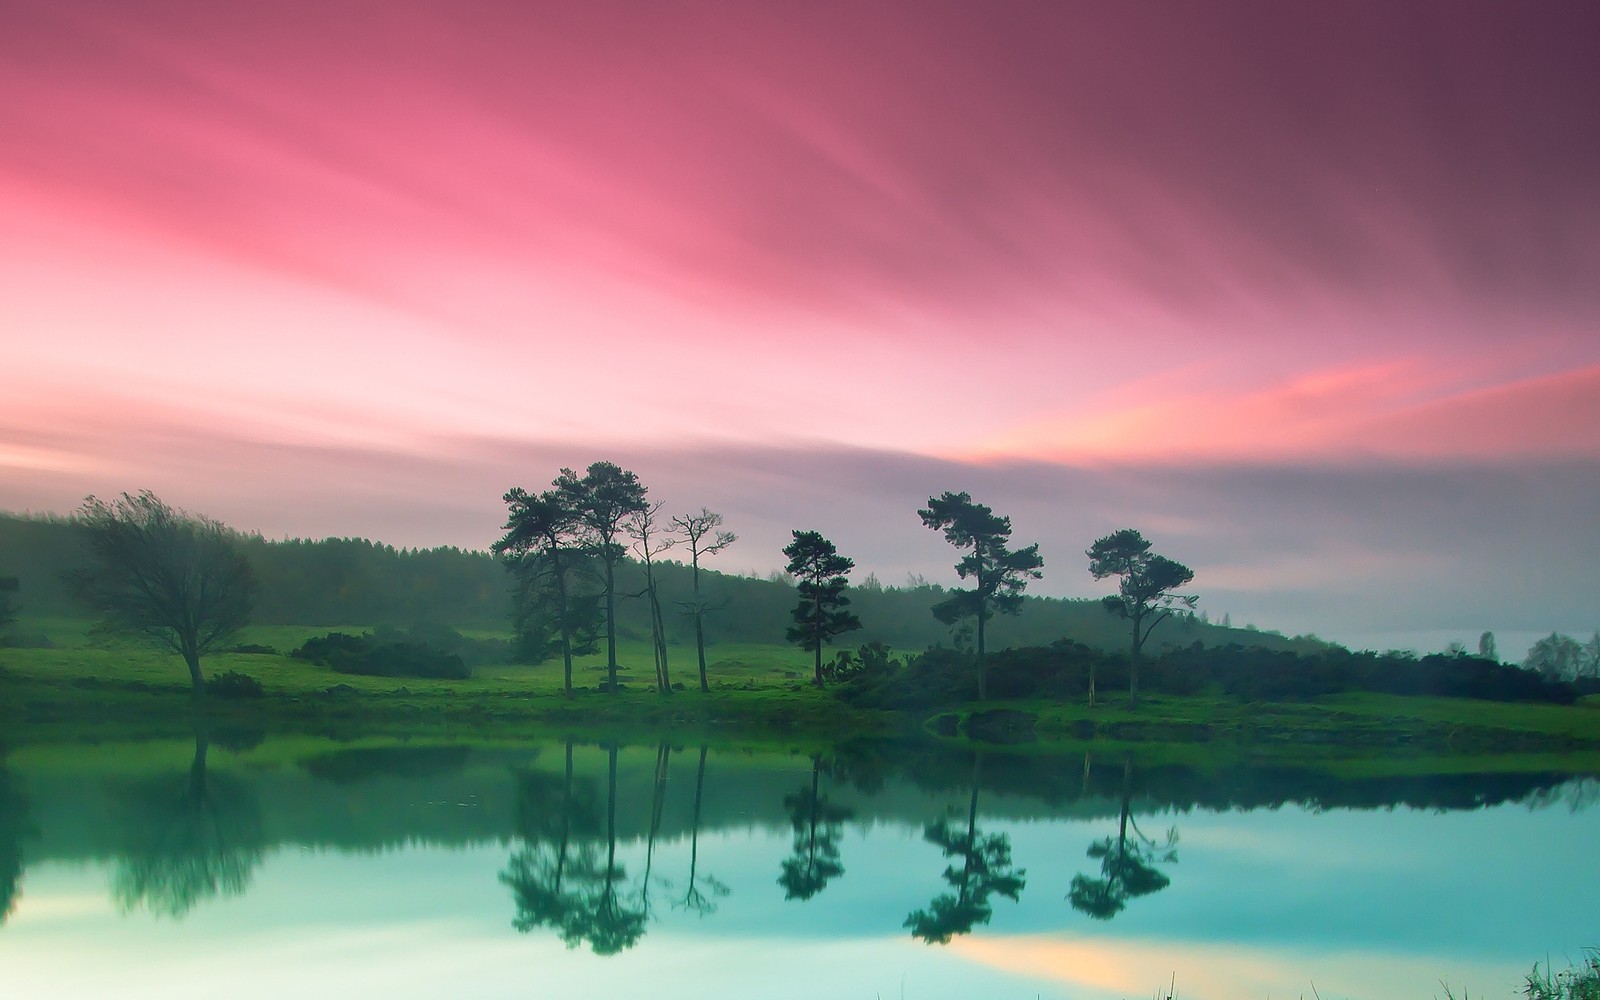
point(1061, 671)
point(369, 655)
point(233, 684)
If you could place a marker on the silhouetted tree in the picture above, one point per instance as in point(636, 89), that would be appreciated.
point(168, 577)
point(820, 574)
point(693, 898)
point(188, 840)
point(1127, 866)
point(986, 869)
point(540, 530)
point(998, 574)
point(649, 542)
point(604, 498)
point(702, 533)
point(817, 825)
point(1146, 593)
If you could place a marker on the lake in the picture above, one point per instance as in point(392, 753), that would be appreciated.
point(300, 867)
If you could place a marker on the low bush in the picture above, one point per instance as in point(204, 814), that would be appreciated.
point(233, 684)
point(371, 656)
point(252, 649)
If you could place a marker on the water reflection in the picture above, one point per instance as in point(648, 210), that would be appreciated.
point(818, 825)
point(601, 835)
point(14, 828)
point(188, 838)
point(985, 870)
point(557, 879)
point(1127, 864)
point(694, 899)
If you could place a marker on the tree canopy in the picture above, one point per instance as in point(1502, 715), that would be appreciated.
point(171, 578)
point(1146, 593)
point(820, 574)
point(604, 498)
point(998, 574)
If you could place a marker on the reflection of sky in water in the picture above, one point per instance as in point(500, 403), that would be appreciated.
point(1369, 904)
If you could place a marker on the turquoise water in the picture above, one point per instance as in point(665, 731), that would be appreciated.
point(311, 870)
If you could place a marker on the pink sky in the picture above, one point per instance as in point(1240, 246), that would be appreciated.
point(303, 265)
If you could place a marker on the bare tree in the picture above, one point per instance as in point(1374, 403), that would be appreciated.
point(703, 534)
point(174, 579)
point(649, 542)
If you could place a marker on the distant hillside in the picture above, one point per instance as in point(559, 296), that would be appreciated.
point(355, 582)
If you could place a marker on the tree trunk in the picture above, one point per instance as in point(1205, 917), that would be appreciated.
point(817, 635)
point(1133, 665)
point(561, 622)
point(661, 637)
point(983, 673)
point(611, 624)
point(196, 678)
point(699, 632)
point(1091, 684)
point(700, 648)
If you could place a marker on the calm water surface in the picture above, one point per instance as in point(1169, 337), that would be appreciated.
point(308, 869)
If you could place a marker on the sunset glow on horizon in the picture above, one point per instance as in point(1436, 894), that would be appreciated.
point(356, 268)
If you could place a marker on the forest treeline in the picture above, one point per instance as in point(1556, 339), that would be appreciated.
point(356, 582)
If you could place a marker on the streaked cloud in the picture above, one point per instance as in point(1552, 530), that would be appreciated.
point(839, 253)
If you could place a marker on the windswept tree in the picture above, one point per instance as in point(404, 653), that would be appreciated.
point(171, 578)
point(1146, 593)
point(649, 541)
point(821, 575)
point(704, 535)
point(540, 532)
point(998, 574)
point(604, 498)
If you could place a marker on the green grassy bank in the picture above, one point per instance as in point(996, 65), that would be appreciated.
point(758, 692)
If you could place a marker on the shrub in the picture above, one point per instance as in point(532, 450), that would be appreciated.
point(234, 685)
point(371, 656)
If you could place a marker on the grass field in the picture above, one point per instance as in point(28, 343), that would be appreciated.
point(760, 691)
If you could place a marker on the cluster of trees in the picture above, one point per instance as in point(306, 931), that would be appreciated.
point(1560, 657)
point(563, 547)
point(184, 583)
point(1147, 592)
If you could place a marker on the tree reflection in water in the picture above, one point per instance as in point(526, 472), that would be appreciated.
point(817, 824)
point(693, 898)
point(986, 869)
point(558, 880)
point(1127, 864)
point(189, 838)
point(14, 828)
